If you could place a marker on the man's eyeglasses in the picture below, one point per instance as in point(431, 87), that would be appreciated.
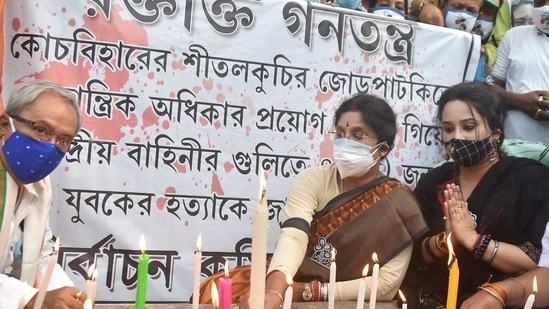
point(355, 136)
point(43, 133)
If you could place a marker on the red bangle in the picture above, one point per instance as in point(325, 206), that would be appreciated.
point(315, 289)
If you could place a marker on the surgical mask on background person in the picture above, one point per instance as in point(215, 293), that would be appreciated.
point(483, 27)
point(466, 152)
point(459, 19)
point(349, 4)
point(388, 11)
point(540, 17)
point(353, 158)
point(29, 159)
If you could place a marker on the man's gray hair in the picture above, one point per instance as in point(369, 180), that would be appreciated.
point(24, 94)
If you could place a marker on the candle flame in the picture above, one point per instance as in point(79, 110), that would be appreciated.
point(374, 257)
point(199, 242)
point(142, 244)
point(402, 296)
point(226, 268)
point(90, 270)
point(365, 270)
point(535, 285)
point(333, 254)
point(289, 279)
point(56, 247)
point(451, 254)
point(262, 186)
point(215, 295)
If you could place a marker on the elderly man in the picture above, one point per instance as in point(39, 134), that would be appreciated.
point(37, 127)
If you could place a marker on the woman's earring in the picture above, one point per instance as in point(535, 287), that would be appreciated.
point(494, 150)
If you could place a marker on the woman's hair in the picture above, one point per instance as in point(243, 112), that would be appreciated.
point(480, 97)
point(376, 113)
point(24, 95)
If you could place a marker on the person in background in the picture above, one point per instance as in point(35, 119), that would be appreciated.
point(511, 14)
point(349, 206)
point(495, 206)
point(520, 75)
point(37, 127)
point(397, 9)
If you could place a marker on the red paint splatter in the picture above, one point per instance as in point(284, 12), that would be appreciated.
point(216, 185)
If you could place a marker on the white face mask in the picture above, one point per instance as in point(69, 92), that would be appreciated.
point(540, 17)
point(388, 11)
point(353, 158)
point(459, 19)
point(483, 27)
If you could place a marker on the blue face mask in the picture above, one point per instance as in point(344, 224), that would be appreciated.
point(349, 4)
point(388, 11)
point(459, 19)
point(29, 159)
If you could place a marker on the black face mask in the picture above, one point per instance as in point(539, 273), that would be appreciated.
point(466, 152)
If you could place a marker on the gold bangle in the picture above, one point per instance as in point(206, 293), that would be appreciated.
point(521, 284)
point(278, 294)
point(496, 296)
point(498, 289)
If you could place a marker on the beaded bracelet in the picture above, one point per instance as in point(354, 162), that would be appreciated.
point(481, 246)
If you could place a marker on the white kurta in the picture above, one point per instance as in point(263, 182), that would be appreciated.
point(18, 278)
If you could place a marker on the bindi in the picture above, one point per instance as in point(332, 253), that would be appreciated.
point(347, 124)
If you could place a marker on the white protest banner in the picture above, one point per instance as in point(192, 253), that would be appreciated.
point(183, 102)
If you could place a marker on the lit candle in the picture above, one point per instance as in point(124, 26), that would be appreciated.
point(362, 288)
point(332, 283)
point(375, 277)
point(46, 280)
point(404, 304)
point(215, 297)
point(225, 289)
point(142, 276)
point(289, 293)
point(197, 271)
point(453, 279)
point(88, 304)
point(259, 247)
point(90, 283)
point(532, 297)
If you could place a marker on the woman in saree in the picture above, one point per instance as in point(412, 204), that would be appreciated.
point(496, 208)
point(349, 206)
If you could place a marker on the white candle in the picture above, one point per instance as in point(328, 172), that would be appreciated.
point(259, 247)
point(404, 304)
point(375, 276)
point(46, 280)
point(90, 283)
point(332, 283)
point(532, 297)
point(197, 269)
point(362, 288)
point(88, 304)
point(289, 293)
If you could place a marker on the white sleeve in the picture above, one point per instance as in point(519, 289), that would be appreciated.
point(544, 259)
point(12, 290)
point(501, 66)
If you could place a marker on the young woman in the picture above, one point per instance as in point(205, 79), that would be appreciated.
point(496, 208)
